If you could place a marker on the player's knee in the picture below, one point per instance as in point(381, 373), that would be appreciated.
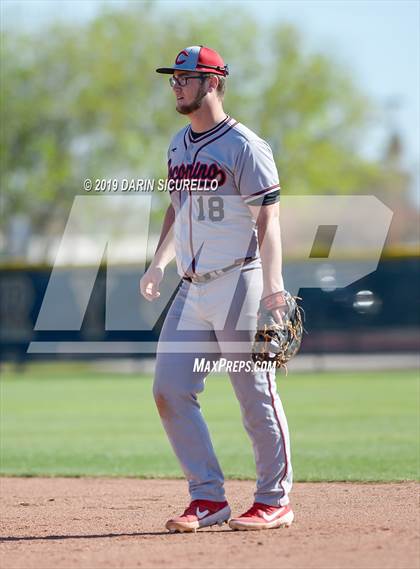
point(171, 398)
point(165, 398)
point(163, 405)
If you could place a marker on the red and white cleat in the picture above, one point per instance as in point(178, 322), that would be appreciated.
point(200, 514)
point(263, 516)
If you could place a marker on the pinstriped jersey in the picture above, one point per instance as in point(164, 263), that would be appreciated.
point(213, 223)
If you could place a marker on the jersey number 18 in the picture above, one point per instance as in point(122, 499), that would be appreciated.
point(215, 207)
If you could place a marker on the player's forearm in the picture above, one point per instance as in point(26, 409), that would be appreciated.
point(165, 250)
point(269, 241)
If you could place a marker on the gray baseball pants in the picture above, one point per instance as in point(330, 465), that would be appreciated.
point(217, 317)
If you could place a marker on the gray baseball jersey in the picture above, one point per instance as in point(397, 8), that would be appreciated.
point(213, 229)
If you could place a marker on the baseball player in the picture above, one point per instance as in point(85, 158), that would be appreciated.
point(227, 245)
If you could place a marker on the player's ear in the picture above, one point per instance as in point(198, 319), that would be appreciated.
point(213, 82)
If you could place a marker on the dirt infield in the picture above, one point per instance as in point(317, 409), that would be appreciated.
point(101, 523)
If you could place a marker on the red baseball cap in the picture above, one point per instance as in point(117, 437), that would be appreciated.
point(197, 58)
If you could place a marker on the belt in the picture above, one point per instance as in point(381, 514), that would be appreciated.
point(206, 277)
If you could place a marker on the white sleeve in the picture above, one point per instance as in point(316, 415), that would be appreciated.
point(255, 170)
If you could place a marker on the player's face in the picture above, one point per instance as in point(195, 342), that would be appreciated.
point(189, 97)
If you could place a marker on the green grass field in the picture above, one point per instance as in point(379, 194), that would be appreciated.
point(72, 421)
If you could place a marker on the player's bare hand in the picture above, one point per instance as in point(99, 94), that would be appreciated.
point(276, 305)
point(277, 314)
point(149, 283)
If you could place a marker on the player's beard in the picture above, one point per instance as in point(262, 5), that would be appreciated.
point(196, 104)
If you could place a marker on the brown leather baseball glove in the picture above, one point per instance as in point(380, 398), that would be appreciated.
point(279, 329)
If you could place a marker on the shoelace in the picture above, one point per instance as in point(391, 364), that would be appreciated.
point(256, 509)
point(203, 505)
point(192, 508)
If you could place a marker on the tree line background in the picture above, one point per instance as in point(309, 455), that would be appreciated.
point(84, 101)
